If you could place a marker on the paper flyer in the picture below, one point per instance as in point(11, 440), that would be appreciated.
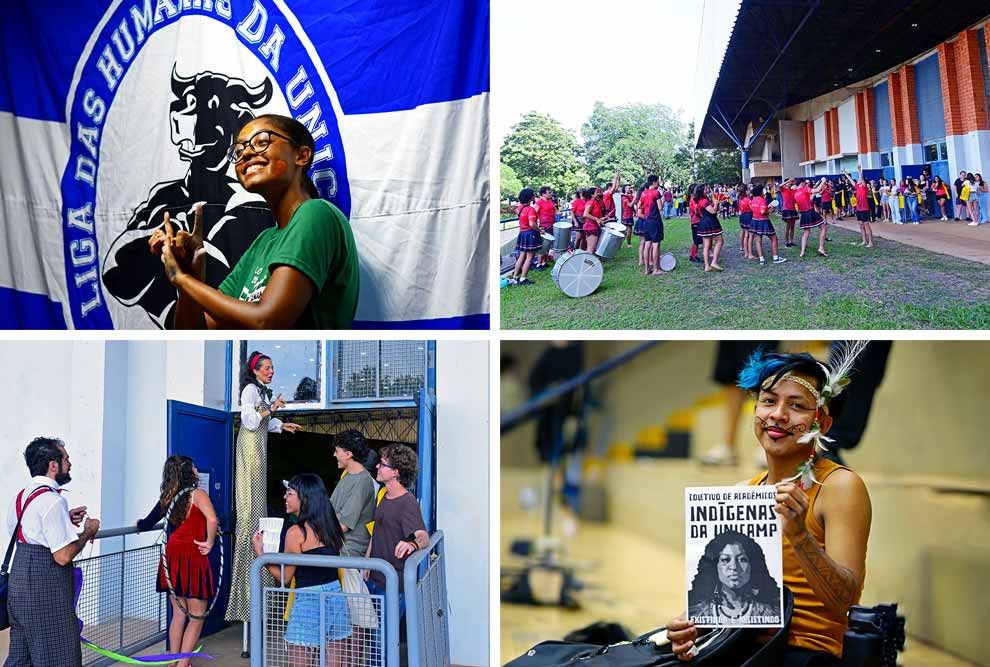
point(733, 557)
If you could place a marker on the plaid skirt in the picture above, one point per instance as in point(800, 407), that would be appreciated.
point(762, 228)
point(529, 241)
point(709, 226)
point(44, 628)
point(811, 219)
point(745, 220)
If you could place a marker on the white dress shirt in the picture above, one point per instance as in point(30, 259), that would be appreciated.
point(250, 418)
point(46, 521)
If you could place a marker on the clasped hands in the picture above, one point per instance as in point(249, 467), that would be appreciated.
point(181, 252)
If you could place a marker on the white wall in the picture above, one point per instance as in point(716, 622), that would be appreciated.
point(820, 152)
point(54, 389)
point(791, 148)
point(463, 493)
point(848, 134)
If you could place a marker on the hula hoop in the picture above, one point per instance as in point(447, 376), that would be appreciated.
point(162, 541)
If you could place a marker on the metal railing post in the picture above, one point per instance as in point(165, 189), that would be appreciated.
point(416, 643)
point(390, 617)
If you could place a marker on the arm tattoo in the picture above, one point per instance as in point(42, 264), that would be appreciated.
point(835, 585)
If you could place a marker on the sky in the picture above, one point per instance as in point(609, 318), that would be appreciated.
point(613, 51)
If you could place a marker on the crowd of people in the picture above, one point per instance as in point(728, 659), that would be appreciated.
point(365, 517)
point(805, 203)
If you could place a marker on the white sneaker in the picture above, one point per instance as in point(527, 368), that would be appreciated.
point(779, 260)
point(719, 455)
point(972, 224)
point(944, 219)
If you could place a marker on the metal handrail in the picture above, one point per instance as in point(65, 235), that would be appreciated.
point(391, 615)
point(534, 405)
point(125, 530)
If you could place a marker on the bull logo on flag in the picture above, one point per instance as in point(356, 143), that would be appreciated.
point(151, 134)
point(204, 118)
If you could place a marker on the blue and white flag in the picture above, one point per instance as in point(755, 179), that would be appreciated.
point(108, 114)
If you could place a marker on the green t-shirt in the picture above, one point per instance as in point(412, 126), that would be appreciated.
point(319, 243)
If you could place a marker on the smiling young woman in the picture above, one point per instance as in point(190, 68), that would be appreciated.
point(302, 273)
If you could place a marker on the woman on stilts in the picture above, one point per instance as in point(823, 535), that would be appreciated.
point(251, 477)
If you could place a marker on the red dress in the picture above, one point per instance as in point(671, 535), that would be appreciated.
point(189, 570)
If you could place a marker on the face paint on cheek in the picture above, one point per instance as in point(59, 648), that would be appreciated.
point(279, 167)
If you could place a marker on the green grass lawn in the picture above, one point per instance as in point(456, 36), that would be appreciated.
point(891, 286)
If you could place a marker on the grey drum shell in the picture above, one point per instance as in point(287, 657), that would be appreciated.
point(578, 274)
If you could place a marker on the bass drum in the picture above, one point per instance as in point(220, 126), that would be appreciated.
point(578, 274)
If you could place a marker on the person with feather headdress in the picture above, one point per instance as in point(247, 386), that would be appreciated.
point(824, 507)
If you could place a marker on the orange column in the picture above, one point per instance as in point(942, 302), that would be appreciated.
point(969, 80)
point(910, 126)
point(870, 120)
point(894, 93)
point(950, 89)
point(860, 123)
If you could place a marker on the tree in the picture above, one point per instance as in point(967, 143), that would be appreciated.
point(509, 183)
point(542, 152)
point(717, 165)
point(638, 140)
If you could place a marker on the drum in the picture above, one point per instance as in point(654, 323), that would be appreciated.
point(609, 243)
point(547, 243)
point(561, 235)
point(667, 262)
point(578, 274)
point(617, 227)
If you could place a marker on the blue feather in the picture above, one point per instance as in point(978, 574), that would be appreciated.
point(756, 370)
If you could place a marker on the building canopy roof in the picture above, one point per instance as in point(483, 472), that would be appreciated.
point(784, 52)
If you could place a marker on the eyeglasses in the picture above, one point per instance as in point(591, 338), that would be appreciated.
point(259, 143)
point(387, 465)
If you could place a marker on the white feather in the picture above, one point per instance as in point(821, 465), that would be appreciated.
point(842, 363)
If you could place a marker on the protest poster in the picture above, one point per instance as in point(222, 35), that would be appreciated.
point(734, 557)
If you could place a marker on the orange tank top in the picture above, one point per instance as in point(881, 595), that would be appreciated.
point(812, 625)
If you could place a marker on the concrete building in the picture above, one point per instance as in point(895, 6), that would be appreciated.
point(812, 88)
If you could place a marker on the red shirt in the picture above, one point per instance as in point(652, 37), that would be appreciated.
point(760, 208)
point(693, 209)
point(667, 196)
point(745, 205)
point(803, 198)
point(577, 207)
point(700, 207)
point(648, 204)
point(593, 208)
point(609, 204)
point(862, 198)
point(788, 195)
point(827, 194)
point(527, 218)
point(546, 211)
point(627, 209)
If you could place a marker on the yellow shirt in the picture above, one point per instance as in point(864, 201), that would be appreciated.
point(813, 626)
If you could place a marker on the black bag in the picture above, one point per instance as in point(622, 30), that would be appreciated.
point(4, 569)
point(723, 647)
point(874, 637)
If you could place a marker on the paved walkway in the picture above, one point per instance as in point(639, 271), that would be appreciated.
point(948, 238)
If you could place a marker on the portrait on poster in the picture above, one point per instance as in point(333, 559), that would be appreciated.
point(734, 561)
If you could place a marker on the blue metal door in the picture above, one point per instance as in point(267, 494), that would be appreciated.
point(206, 436)
point(940, 168)
point(888, 173)
point(426, 484)
point(911, 170)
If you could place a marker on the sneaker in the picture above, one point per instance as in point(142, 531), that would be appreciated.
point(719, 455)
point(762, 261)
point(972, 224)
point(511, 281)
point(944, 219)
point(779, 260)
point(525, 281)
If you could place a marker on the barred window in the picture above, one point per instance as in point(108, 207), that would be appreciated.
point(373, 370)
